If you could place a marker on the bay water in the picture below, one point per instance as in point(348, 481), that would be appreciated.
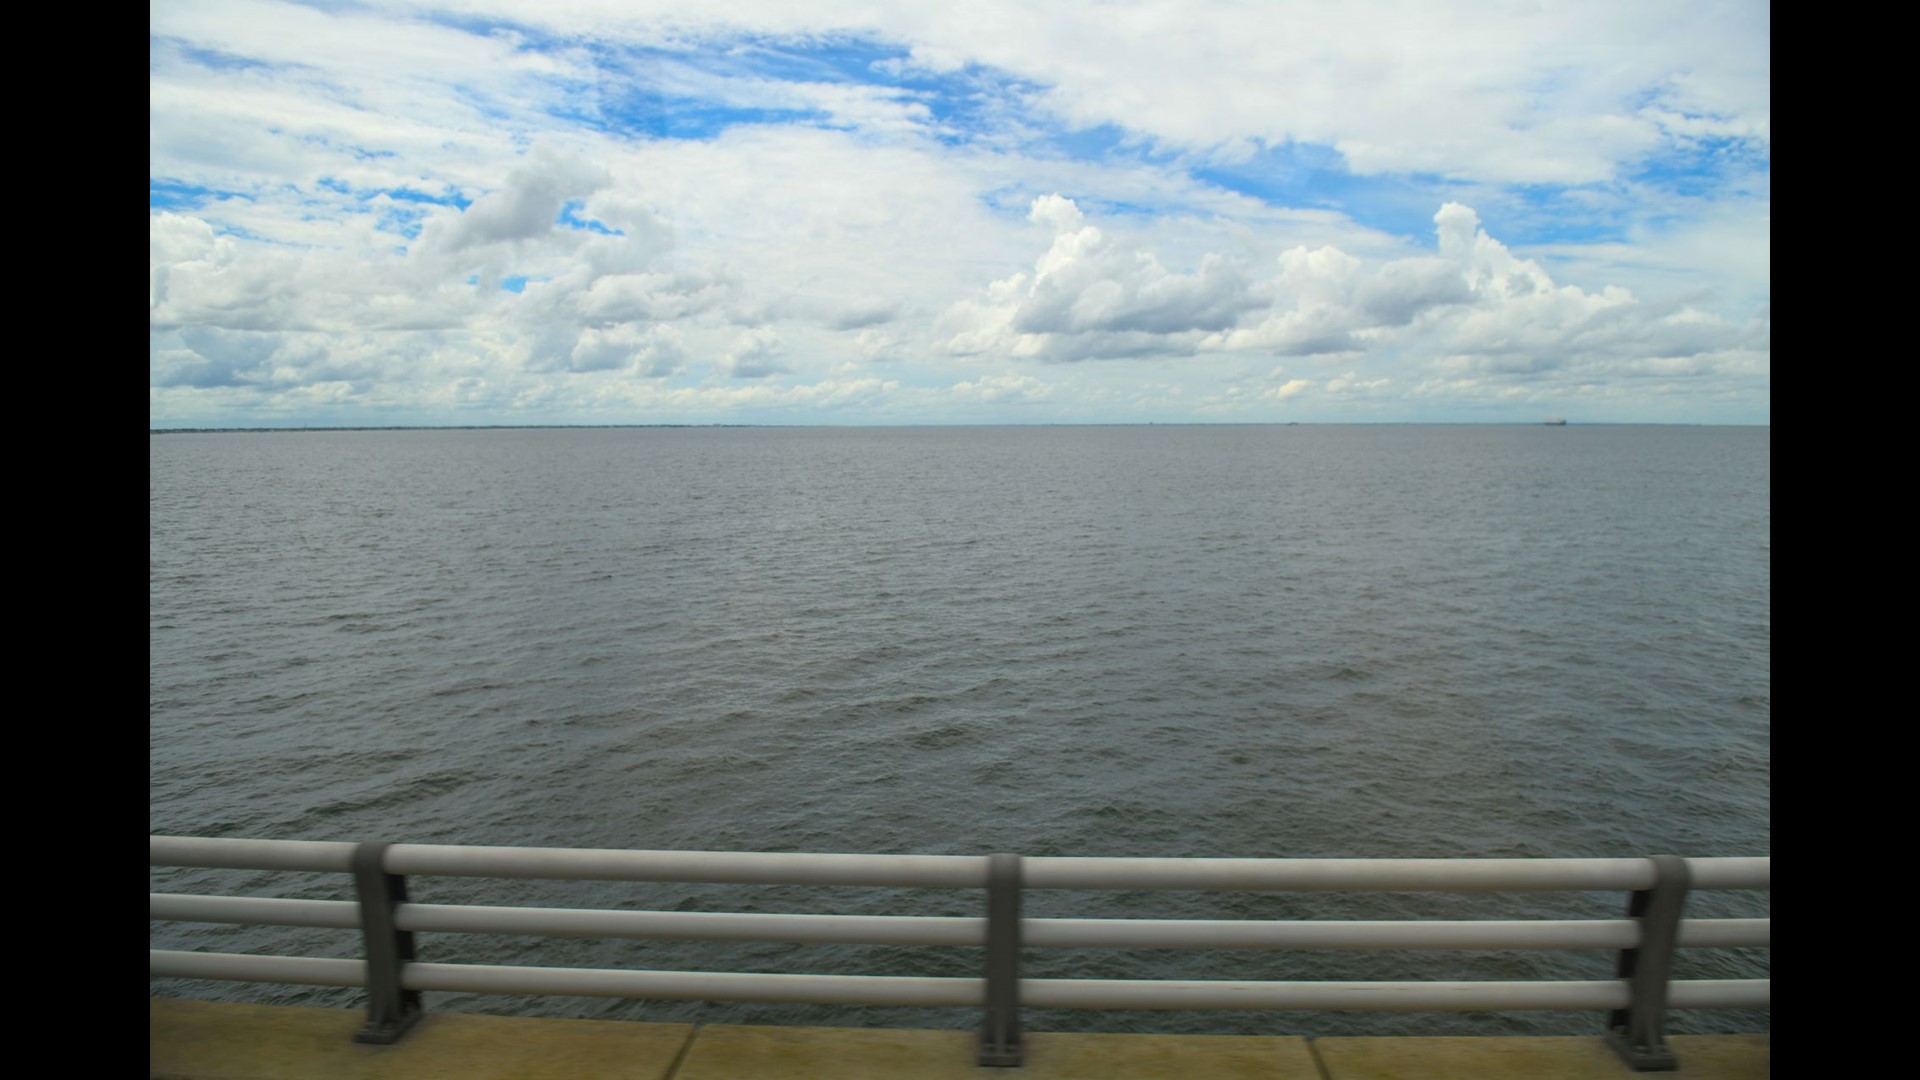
point(1342, 641)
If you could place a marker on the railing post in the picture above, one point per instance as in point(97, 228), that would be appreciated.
point(1000, 1034)
point(391, 1009)
point(1638, 1033)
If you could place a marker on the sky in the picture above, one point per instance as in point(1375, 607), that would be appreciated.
point(629, 212)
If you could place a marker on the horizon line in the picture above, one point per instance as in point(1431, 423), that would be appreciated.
point(1086, 423)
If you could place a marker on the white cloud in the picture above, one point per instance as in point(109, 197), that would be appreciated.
point(626, 297)
point(654, 353)
point(1089, 297)
point(525, 207)
point(1475, 307)
point(1001, 388)
point(1535, 94)
point(307, 250)
point(755, 355)
point(1350, 383)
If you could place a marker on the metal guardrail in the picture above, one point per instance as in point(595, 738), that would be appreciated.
point(1636, 1001)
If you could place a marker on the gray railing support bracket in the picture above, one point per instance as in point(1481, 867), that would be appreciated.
point(1638, 1033)
point(391, 1009)
point(1000, 1034)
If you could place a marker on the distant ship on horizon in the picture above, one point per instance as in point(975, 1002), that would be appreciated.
point(1555, 421)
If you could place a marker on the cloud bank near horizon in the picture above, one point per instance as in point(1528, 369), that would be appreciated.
point(599, 213)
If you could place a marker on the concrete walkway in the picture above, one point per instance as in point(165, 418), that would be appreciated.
point(198, 1040)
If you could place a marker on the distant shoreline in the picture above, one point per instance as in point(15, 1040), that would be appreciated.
point(1089, 424)
point(449, 427)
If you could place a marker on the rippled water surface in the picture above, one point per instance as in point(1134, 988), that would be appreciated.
point(1236, 641)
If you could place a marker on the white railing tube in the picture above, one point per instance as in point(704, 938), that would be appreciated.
point(1730, 872)
point(942, 930)
point(1726, 933)
point(1370, 996)
point(1720, 994)
point(585, 982)
point(901, 990)
point(697, 985)
point(696, 925)
point(1377, 875)
point(727, 867)
point(1363, 996)
point(241, 967)
point(253, 910)
point(219, 853)
point(965, 871)
point(1383, 934)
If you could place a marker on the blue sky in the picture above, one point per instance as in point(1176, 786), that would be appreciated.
point(579, 212)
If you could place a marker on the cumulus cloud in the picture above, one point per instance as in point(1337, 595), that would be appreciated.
point(661, 354)
point(755, 355)
point(1473, 306)
point(626, 297)
point(1089, 296)
point(859, 316)
point(1555, 93)
point(520, 211)
point(214, 357)
point(526, 207)
point(527, 264)
point(1541, 94)
point(654, 352)
point(1000, 388)
point(1351, 383)
point(879, 346)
